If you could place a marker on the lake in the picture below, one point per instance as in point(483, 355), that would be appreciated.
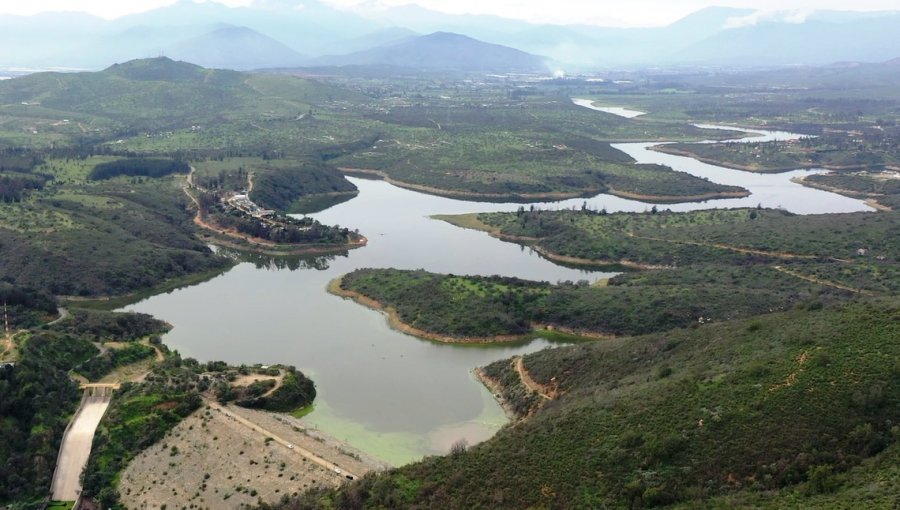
point(394, 396)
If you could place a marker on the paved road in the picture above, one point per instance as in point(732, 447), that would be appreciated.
point(331, 466)
point(76, 448)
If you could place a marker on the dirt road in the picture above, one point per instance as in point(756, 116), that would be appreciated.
point(6, 346)
point(820, 281)
point(530, 383)
point(63, 314)
point(76, 447)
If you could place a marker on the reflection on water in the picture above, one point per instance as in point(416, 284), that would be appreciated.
point(282, 262)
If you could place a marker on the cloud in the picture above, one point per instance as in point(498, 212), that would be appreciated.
point(794, 16)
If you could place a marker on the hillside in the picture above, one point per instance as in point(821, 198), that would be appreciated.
point(724, 407)
point(443, 51)
point(695, 268)
point(150, 95)
point(761, 410)
point(80, 237)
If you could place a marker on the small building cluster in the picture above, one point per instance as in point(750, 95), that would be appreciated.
point(243, 203)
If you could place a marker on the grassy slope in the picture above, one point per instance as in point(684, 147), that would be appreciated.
point(817, 245)
point(785, 399)
point(712, 265)
point(796, 407)
point(156, 106)
point(94, 238)
point(509, 148)
point(464, 307)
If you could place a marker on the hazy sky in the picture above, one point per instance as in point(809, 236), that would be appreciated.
point(629, 12)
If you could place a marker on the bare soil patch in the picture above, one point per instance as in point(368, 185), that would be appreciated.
point(211, 460)
point(247, 380)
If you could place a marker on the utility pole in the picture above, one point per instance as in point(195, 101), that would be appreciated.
point(5, 320)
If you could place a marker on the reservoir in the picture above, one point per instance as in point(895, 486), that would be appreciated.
point(391, 395)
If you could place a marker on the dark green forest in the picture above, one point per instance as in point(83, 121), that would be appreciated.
point(37, 398)
point(138, 167)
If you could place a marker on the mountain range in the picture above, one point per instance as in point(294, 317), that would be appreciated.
point(278, 33)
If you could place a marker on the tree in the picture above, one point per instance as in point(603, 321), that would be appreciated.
point(459, 447)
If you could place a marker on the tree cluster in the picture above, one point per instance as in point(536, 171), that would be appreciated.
point(138, 167)
point(14, 188)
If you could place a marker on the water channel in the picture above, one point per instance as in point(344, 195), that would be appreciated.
point(394, 396)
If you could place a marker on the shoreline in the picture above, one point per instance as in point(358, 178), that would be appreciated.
point(870, 199)
point(215, 234)
point(459, 194)
point(396, 323)
point(567, 259)
point(496, 389)
point(119, 300)
point(550, 196)
point(276, 249)
point(677, 199)
point(260, 246)
point(749, 168)
point(875, 204)
point(334, 287)
point(471, 221)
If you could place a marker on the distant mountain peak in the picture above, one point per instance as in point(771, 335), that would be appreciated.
point(236, 47)
point(443, 51)
point(447, 36)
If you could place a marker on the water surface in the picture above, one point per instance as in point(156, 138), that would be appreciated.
point(395, 396)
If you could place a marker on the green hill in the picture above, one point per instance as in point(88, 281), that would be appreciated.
point(762, 411)
point(148, 95)
point(740, 407)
